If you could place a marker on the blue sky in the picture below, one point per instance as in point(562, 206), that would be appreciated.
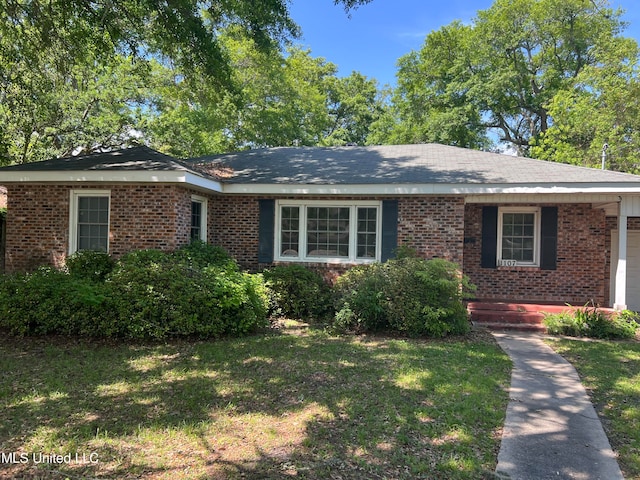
point(378, 34)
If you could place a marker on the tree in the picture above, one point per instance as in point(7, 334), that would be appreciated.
point(279, 99)
point(45, 113)
point(499, 75)
point(602, 106)
point(432, 102)
point(83, 76)
point(184, 31)
point(355, 103)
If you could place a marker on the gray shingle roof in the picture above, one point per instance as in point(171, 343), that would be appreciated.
point(375, 165)
point(128, 159)
point(397, 164)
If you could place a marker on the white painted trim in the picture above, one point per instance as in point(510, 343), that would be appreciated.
point(115, 176)
point(197, 181)
point(203, 183)
point(74, 195)
point(353, 205)
point(429, 189)
point(620, 296)
point(598, 199)
point(204, 202)
point(536, 234)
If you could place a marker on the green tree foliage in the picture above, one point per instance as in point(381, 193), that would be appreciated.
point(285, 103)
point(45, 112)
point(279, 99)
point(601, 107)
point(433, 101)
point(500, 74)
point(78, 76)
point(355, 104)
point(184, 31)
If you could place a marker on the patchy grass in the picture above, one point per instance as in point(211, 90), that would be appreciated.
point(295, 403)
point(610, 371)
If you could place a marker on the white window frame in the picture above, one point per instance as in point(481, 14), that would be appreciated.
point(75, 195)
point(204, 202)
point(353, 226)
point(536, 237)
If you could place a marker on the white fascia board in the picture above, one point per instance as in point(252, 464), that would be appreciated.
point(115, 176)
point(429, 189)
point(203, 183)
point(602, 199)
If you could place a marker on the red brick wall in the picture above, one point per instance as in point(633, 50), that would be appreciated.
point(234, 226)
point(141, 217)
point(581, 262)
point(37, 226)
point(433, 225)
point(158, 216)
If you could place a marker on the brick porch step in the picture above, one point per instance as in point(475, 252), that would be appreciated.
point(513, 316)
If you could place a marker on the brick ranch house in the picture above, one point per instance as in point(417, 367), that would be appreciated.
point(521, 229)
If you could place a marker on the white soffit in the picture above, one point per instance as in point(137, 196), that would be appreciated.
point(115, 176)
point(431, 189)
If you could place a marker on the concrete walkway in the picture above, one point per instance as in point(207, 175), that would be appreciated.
point(552, 430)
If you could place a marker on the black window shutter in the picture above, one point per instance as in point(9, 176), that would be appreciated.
point(489, 237)
point(549, 238)
point(389, 229)
point(266, 230)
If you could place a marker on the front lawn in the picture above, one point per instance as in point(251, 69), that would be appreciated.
point(610, 371)
point(297, 403)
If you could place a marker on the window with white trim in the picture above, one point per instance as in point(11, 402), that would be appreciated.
point(198, 218)
point(518, 236)
point(328, 231)
point(89, 220)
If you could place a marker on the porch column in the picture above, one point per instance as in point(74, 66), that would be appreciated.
point(621, 269)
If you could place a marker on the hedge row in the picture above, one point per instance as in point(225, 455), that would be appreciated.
point(196, 291)
point(200, 291)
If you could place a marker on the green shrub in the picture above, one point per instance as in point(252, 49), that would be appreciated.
point(564, 323)
point(199, 255)
point(297, 292)
point(594, 323)
point(147, 295)
point(360, 299)
point(50, 301)
point(409, 295)
point(142, 259)
point(627, 323)
point(90, 265)
point(156, 296)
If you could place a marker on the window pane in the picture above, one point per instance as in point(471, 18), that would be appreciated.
point(196, 220)
point(518, 237)
point(328, 231)
point(290, 231)
point(93, 223)
point(367, 228)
